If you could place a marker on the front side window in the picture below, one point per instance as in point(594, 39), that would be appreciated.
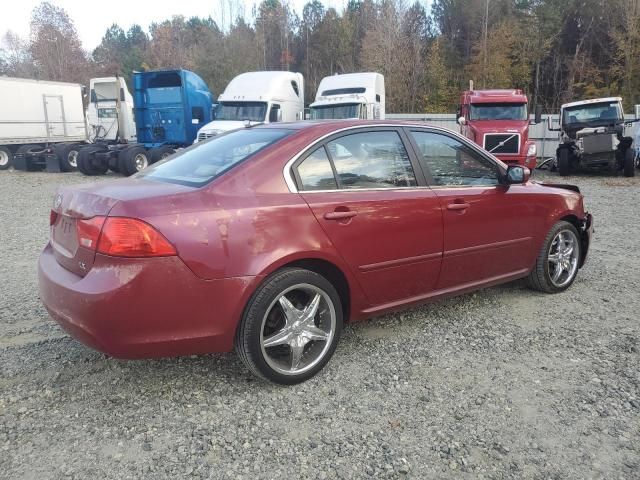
point(274, 113)
point(315, 172)
point(323, 112)
point(498, 111)
point(371, 160)
point(451, 163)
point(201, 163)
point(241, 111)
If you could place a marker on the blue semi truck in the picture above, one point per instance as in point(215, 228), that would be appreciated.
point(169, 107)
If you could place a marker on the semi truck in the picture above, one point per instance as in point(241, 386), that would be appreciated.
point(169, 107)
point(41, 124)
point(257, 97)
point(350, 95)
point(498, 121)
point(106, 121)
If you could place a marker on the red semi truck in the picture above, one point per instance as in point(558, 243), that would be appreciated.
point(498, 121)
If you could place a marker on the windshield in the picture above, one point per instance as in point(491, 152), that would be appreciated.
point(350, 110)
point(201, 163)
point(608, 112)
point(498, 111)
point(253, 111)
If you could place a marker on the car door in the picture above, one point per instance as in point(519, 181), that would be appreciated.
point(488, 226)
point(384, 221)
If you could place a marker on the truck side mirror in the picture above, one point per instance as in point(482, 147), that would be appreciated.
point(538, 114)
point(461, 121)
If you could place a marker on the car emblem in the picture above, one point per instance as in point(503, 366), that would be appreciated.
point(57, 201)
point(82, 265)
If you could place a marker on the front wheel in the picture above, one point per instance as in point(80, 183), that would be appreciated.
point(629, 163)
point(291, 326)
point(558, 262)
point(564, 167)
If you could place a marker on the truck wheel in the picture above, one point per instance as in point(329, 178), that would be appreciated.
point(87, 163)
point(629, 163)
point(67, 154)
point(114, 164)
point(132, 160)
point(29, 150)
point(564, 167)
point(6, 157)
point(159, 153)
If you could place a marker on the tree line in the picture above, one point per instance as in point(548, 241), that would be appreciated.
point(555, 50)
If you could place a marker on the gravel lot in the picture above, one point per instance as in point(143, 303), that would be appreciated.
point(504, 383)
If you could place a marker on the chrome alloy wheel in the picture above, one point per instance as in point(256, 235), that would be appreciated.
point(73, 158)
point(297, 329)
point(140, 161)
point(563, 258)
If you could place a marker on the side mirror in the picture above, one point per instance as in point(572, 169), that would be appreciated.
point(538, 114)
point(461, 121)
point(517, 174)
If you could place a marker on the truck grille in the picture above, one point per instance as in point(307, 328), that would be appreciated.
point(511, 143)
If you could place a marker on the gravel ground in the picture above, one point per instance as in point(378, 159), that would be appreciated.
point(503, 383)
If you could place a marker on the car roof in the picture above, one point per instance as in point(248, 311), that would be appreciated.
point(329, 125)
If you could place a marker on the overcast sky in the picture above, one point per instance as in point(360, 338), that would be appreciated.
point(93, 18)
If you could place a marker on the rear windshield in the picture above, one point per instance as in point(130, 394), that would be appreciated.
point(201, 163)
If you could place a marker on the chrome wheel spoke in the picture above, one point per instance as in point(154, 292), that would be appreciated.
point(297, 349)
point(316, 334)
point(280, 338)
point(309, 313)
point(554, 258)
point(291, 313)
point(557, 272)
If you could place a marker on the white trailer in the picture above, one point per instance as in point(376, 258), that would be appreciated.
point(257, 97)
point(40, 122)
point(351, 95)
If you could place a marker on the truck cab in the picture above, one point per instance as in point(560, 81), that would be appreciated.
point(498, 121)
point(102, 110)
point(257, 97)
point(350, 96)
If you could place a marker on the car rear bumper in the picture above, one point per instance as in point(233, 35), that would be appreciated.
point(586, 234)
point(143, 308)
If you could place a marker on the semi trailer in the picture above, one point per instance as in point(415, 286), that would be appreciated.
point(257, 97)
point(169, 107)
point(498, 121)
point(42, 124)
point(350, 95)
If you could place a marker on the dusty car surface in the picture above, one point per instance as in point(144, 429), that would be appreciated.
point(269, 238)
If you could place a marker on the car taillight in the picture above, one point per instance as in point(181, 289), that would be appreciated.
point(53, 217)
point(129, 237)
point(88, 231)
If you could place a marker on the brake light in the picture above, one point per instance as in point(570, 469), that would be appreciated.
point(53, 218)
point(88, 231)
point(129, 237)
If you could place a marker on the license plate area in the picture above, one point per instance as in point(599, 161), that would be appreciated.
point(64, 236)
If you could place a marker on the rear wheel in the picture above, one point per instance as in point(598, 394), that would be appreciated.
point(290, 327)
point(67, 156)
point(6, 158)
point(564, 167)
point(88, 164)
point(132, 160)
point(29, 151)
point(160, 153)
point(558, 261)
point(629, 163)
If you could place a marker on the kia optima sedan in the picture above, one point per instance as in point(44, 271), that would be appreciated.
point(269, 238)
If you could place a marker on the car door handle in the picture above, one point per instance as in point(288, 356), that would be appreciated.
point(458, 206)
point(339, 215)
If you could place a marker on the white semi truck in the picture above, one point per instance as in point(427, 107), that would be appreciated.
point(351, 95)
point(257, 97)
point(41, 123)
point(102, 111)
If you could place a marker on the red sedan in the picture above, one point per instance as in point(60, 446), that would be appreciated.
point(269, 238)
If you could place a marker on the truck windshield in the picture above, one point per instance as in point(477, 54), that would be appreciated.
point(498, 111)
point(345, 110)
point(253, 111)
point(199, 164)
point(596, 113)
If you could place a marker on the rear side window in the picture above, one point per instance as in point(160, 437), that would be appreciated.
point(201, 163)
point(372, 160)
point(315, 172)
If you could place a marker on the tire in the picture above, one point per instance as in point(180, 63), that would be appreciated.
point(114, 164)
point(159, 153)
point(541, 277)
point(86, 163)
point(264, 319)
point(564, 166)
point(629, 163)
point(132, 160)
point(6, 158)
point(28, 149)
point(67, 154)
